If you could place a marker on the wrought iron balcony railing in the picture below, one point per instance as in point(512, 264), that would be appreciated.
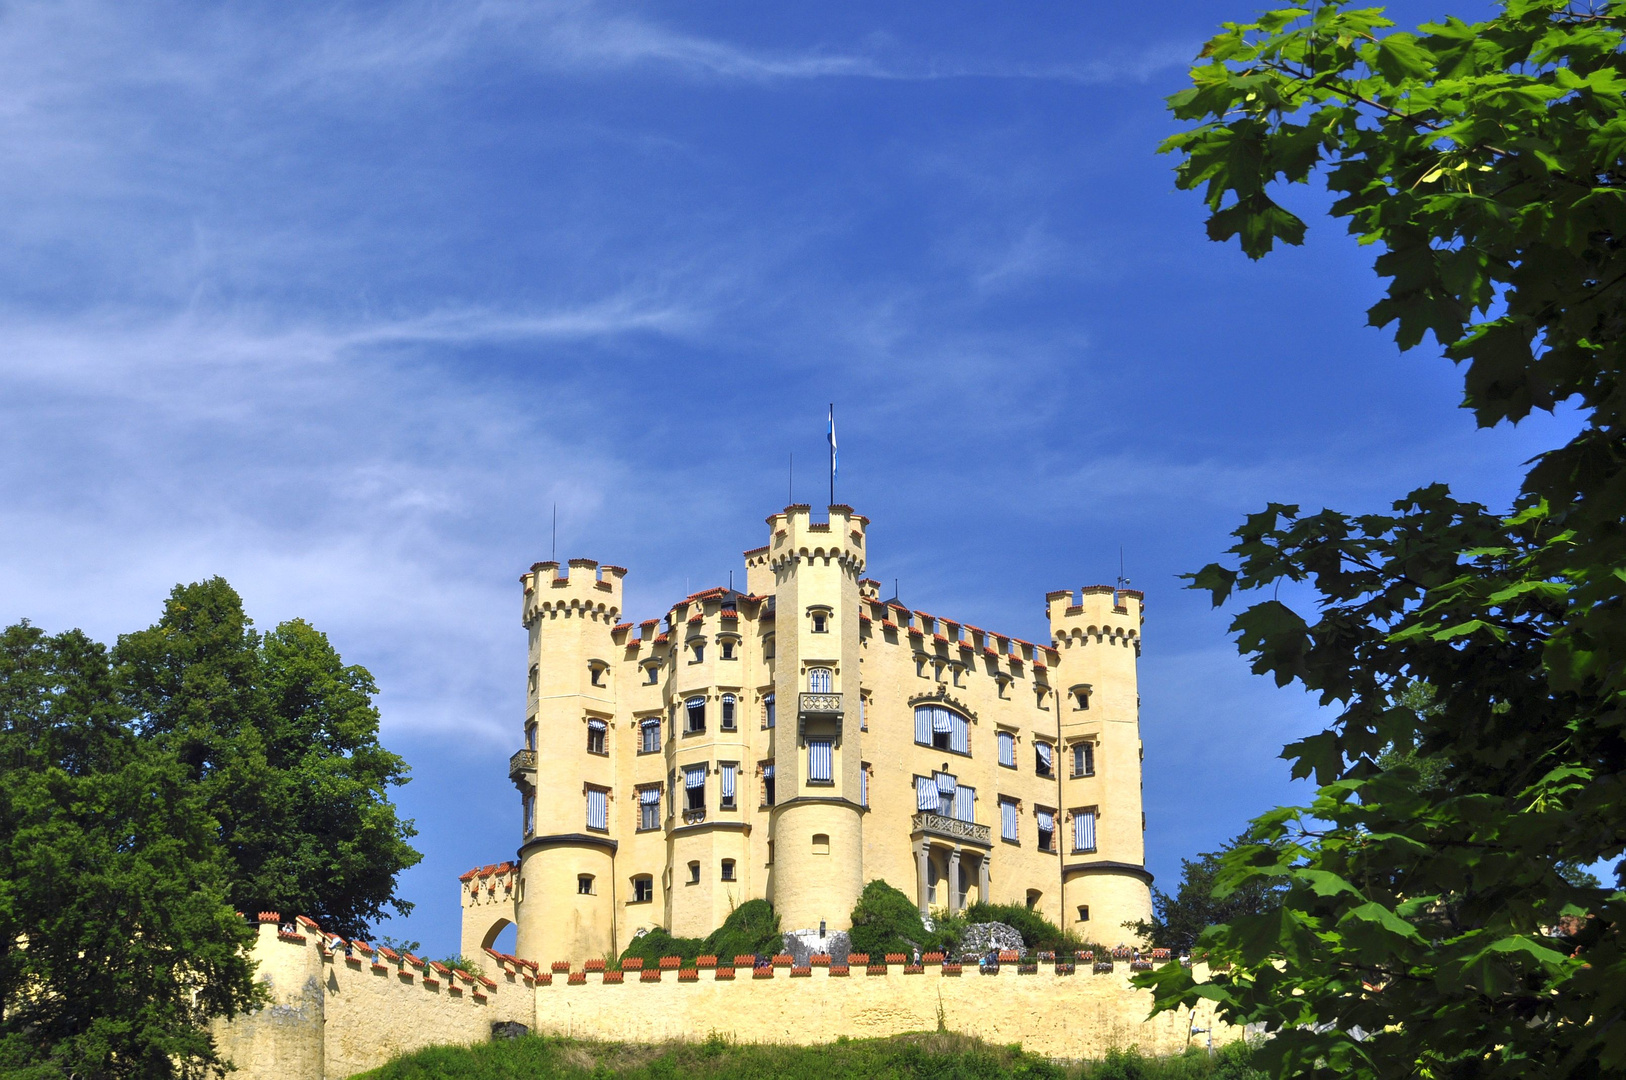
point(953, 828)
point(522, 762)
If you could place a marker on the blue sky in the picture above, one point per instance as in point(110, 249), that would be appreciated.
point(338, 301)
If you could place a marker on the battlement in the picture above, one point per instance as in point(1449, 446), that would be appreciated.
point(793, 534)
point(586, 589)
point(1097, 613)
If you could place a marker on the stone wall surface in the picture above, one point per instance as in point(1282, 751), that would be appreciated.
point(341, 1008)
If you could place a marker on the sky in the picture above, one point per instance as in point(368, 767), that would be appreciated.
point(340, 301)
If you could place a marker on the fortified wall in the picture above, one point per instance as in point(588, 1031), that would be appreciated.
point(341, 1007)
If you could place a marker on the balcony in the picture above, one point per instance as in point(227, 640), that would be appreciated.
point(968, 832)
point(522, 762)
point(820, 705)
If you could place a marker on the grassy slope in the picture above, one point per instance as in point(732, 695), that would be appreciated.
point(938, 1056)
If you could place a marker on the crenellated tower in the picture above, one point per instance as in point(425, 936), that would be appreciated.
point(565, 898)
point(1097, 637)
point(818, 819)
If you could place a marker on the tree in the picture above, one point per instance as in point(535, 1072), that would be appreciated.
point(281, 739)
point(1178, 920)
point(886, 921)
point(117, 942)
point(1432, 923)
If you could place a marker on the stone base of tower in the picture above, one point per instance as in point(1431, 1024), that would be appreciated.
point(566, 899)
point(818, 863)
point(1111, 896)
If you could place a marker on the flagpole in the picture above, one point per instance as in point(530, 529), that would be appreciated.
point(832, 453)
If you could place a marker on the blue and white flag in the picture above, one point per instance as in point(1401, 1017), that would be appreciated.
point(832, 437)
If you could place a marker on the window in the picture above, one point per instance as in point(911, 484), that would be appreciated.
point(920, 667)
point(941, 729)
point(695, 708)
point(821, 622)
point(770, 852)
point(1083, 913)
point(699, 650)
point(926, 797)
point(527, 813)
point(649, 808)
point(643, 889)
point(727, 797)
point(1084, 831)
point(818, 680)
point(1007, 821)
point(534, 677)
point(767, 789)
point(1083, 759)
point(863, 783)
point(956, 670)
point(584, 884)
point(595, 672)
point(652, 672)
point(863, 713)
point(1007, 749)
point(767, 711)
point(1034, 895)
point(818, 761)
point(965, 803)
point(530, 735)
point(595, 736)
point(767, 647)
point(728, 710)
point(726, 647)
point(598, 809)
point(821, 843)
point(728, 869)
point(694, 873)
point(1047, 830)
point(1081, 697)
point(1042, 752)
point(694, 786)
point(650, 730)
point(946, 786)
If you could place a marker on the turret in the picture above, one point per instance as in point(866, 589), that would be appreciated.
point(567, 850)
point(817, 822)
point(1096, 635)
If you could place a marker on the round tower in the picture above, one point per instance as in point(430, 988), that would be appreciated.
point(564, 903)
point(817, 821)
point(1097, 640)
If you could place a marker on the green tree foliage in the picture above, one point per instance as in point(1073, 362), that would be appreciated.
point(886, 921)
point(281, 739)
point(1178, 920)
point(117, 939)
point(1037, 931)
point(1432, 925)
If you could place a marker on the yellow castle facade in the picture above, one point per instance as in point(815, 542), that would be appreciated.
point(802, 737)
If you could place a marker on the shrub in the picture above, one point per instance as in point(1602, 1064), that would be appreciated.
point(658, 942)
point(884, 920)
point(1037, 931)
point(752, 928)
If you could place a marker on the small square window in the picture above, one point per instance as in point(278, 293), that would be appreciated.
point(643, 890)
point(727, 648)
point(1083, 913)
point(820, 623)
point(694, 873)
point(584, 884)
point(728, 869)
point(652, 674)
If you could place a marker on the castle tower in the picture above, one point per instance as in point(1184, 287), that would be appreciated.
point(564, 903)
point(1104, 879)
point(817, 821)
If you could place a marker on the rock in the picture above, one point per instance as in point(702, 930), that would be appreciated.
point(508, 1029)
point(802, 944)
point(980, 939)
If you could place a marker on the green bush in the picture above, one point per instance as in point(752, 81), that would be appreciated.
point(1037, 931)
point(884, 920)
point(753, 928)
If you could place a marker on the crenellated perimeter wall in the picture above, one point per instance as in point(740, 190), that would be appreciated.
point(339, 1008)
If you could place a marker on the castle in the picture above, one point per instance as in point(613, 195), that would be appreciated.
point(800, 738)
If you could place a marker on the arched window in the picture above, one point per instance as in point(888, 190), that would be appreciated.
point(942, 729)
point(818, 680)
